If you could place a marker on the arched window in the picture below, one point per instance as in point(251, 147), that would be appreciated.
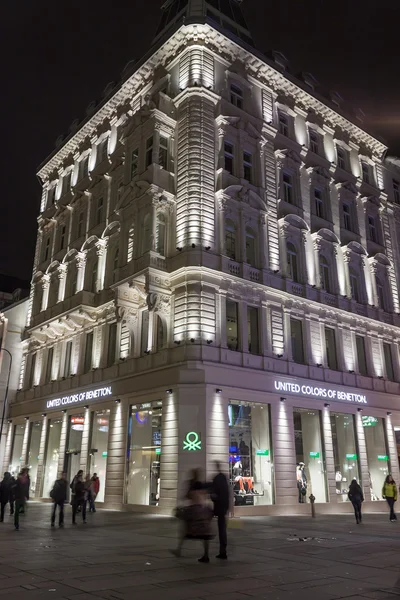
point(324, 276)
point(230, 239)
point(251, 247)
point(160, 338)
point(146, 234)
point(355, 285)
point(115, 265)
point(292, 266)
point(160, 234)
point(72, 280)
point(381, 293)
point(131, 241)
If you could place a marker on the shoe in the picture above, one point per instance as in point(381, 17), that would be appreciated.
point(222, 556)
point(204, 559)
point(176, 553)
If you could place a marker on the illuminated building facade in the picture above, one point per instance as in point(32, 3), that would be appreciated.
point(216, 277)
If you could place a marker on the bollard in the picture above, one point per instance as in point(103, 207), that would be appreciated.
point(312, 500)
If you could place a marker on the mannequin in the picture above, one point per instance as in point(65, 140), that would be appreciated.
point(301, 482)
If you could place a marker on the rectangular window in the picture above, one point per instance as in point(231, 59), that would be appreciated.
point(88, 352)
point(365, 172)
point(377, 454)
point(236, 96)
point(248, 166)
point(319, 204)
point(67, 363)
point(361, 355)
point(99, 211)
point(149, 152)
point(32, 371)
point(63, 231)
point(355, 288)
point(52, 453)
point(99, 449)
point(372, 229)
point(49, 364)
point(314, 142)
point(396, 191)
point(283, 124)
point(51, 196)
point(387, 351)
point(252, 330)
point(345, 453)
point(67, 182)
point(296, 334)
point(310, 451)
point(102, 151)
point(47, 248)
point(341, 158)
point(288, 195)
point(134, 162)
point(163, 152)
point(84, 167)
point(112, 342)
point(232, 328)
point(80, 224)
point(250, 454)
point(381, 295)
point(330, 346)
point(229, 157)
point(347, 217)
point(230, 242)
point(144, 455)
point(16, 454)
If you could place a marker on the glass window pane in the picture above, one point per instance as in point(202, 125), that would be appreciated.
point(74, 444)
point(345, 453)
point(250, 454)
point(52, 455)
point(16, 454)
point(99, 449)
point(377, 454)
point(252, 330)
point(232, 338)
point(112, 341)
point(144, 456)
point(330, 344)
point(361, 356)
point(310, 461)
point(33, 455)
point(296, 332)
point(388, 361)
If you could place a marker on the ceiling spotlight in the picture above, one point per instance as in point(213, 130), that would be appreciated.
point(26, 418)
point(179, 249)
point(169, 391)
point(193, 245)
point(283, 400)
point(279, 355)
point(327, 405)
point(150, 412)
point(276, 271)
point(218, 391)
point(351, 370)
point(117, 401)
point(380, 376)
point(319, 364)
point(177, 342)
point(209, 342)
point(86, 407)
point(64, 411)
point(147, 352)
point(389, 414)
point(192, 340)
point(359, 409)
point(44, 414)
point(207, 248)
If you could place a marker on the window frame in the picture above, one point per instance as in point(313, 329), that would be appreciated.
point(396, 191)
point(288, 188)
point(319, 203)
point(314, 141)
point(248, 168)
point(372, 229)
point(292, 273)
point(324, 274)
point(341, 158)
point(237, 348)
point(149, 151)
point(229, 155)
point(134, 163)
point(163, 152)
point(292, 337)
point(365, 172)
point(347, 215)
point(283, 123)
point(236, 95)
point(363, 355)
point(354, 278)
point(99, 210)
point(333, 365)
point(253, 310)
point(388, 354)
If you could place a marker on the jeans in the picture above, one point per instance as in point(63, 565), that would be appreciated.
point(91, 499)
point(391, 502)
point(75, 505)
point(357, 510)
point(223, 541)
point(61, 513)
point(19, 505)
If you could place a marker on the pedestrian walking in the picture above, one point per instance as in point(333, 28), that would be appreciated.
point(94, 490)
point(6, 494)
point(389, 491)
point(72, 485)
point(356, 497)
point(20, 496)
point(27, 488)
point(220, 496)
point(79, 500)
point(59, 496)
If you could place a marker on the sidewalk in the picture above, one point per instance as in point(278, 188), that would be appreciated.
point(119, 556)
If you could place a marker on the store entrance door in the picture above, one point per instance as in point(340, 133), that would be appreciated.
point(74, 445)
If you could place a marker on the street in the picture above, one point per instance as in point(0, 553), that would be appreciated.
point(122, 556)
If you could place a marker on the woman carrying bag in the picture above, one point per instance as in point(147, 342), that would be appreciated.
point(389, 491)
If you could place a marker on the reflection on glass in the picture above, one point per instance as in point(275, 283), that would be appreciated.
point(377, 454)
point(250, 454)
point(98, 449)
point(345, 453)
point(310, 464)
point(52, 456)
point(33, 455)
point(144, 455)
point(16, 455)
point(74, 446)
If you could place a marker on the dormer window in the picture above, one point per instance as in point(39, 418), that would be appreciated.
point(84, 167)
point(341, 158)
point(67, 182)
point(365, 172)
point(283, 124)
point(314, 142)
point(51, 196)
point(236, 96)
point(102, 151)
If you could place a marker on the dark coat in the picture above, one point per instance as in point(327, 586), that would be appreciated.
point(220, 494)
point(6, 489)
point(355, 493)
point(21, 492)
point(79, 490)
point(59, 491)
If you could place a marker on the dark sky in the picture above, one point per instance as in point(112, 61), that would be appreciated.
point(57, 56)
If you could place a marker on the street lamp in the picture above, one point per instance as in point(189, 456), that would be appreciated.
point(6, 394)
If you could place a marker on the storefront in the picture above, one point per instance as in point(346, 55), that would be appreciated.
point(280, 445)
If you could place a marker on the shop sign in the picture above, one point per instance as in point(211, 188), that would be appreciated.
point(104, 454)
point(158, 450)
point(382, 457)
point(369, 421)
point(80, 397)
point(262, 452)
point(318, 392)
point(351, 456)
point(192, 441)
point(314, 454)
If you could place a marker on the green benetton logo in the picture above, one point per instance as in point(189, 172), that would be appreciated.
point(314, 454)
point(192, 441)
point(262, 452)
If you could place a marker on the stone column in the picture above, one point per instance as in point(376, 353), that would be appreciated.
point(329, 456)
point(363, 459)
point(282, 427)
point(169, 453)
point(62, 278)
point(25, 443)
point(116, 455)
point(272, 203)
point(84, 456)
point(8, 448)
point(392, 447)
point(101, 252)
point(45, 291)
point(63, 445)
point(42, 448)
point(80, 266)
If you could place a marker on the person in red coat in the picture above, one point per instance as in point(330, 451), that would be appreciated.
point(94, 489)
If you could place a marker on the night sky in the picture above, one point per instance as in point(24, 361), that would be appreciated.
point(57, 57)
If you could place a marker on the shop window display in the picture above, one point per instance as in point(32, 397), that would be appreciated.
point(74, 445)
point(33, 455)
point(52, 456)
point(99, 448)
point(16, 454)
point(310, 462)
point(377, 454)
point(345, 453)
point(250, 454)
point(144, 454)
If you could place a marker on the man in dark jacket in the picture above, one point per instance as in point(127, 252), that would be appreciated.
point(6, 494)
point(59, 496)
point(221, 497)
point(20, 495)
point(79, 500)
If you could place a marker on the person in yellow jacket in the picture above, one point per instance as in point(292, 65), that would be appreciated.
point(389, 491)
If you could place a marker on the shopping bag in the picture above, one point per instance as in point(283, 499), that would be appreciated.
point(235, 523)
